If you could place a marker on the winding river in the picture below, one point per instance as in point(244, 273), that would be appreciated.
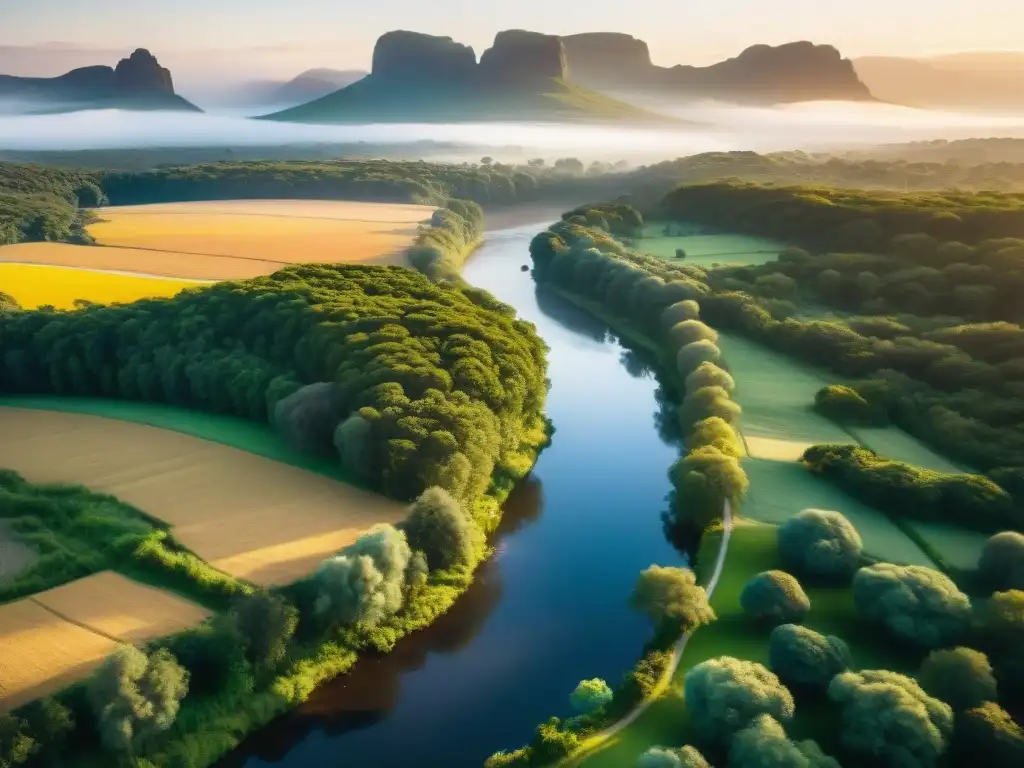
point(551, 607)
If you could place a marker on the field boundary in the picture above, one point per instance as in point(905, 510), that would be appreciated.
point(69, 620)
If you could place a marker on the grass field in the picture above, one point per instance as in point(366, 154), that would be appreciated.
point(117, 607)
point(35, 285)
point(897, 444)
point(253, 518)
point(704, 250)
point(41, 653)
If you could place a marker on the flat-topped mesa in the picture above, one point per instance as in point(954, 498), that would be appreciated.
point(142, 73)
point(520, 59)
point(416, 57)
point(607, 58)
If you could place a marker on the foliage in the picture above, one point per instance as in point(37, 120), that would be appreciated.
point(903, 490)
point(439, 527)
point(440, 249)
point(716, 433)
point(135, 696)
point(725, 695)
point(801, 656)
point(703, 481)
point(764, 744)
point(845, 406)
point(662, 757)
point(709, 375)
point(307, 417)
point(820, 543)
point(915, 603)
point(988, 735)
point(672, 594)
point(888, 718)
point(266, 624)
point(961, 677)
point(1003, 619)
point(1001, 565)
point(775, 597)
point(590, 696)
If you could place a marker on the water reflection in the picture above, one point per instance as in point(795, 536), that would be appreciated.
point(569, 315)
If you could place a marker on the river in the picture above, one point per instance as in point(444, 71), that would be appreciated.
point(550, 608)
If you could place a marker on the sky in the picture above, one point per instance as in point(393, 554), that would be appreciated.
point(282, 37)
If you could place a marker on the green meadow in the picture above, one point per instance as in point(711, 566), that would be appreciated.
point(705, 250)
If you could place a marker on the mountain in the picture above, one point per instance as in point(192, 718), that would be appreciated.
point(958, 81)
point(425, 78)
point(314, 84)
point(762, 74)
point(138, 82)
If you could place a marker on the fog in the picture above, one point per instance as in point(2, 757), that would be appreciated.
point(711, 127)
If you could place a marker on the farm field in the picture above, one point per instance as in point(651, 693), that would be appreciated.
point(704, 250)
point(253, 518)
point(114, 606)
point(35, 285)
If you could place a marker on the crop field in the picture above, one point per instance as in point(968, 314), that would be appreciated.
point(959, 547)
point(251, 517)
point(35, 285)
point(117, 607)
point(704, 250)
point(41, 653)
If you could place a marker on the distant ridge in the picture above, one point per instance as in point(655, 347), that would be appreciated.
point(137, 82)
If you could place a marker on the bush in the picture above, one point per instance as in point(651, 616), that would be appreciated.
point(590, 696)
point(715, 433)
point(764, 744)
point(1002, 619)
point(988, 735)
point(689, 332)
point(709, 375)
point(703, 481)
point(266, 624)
point(801, 656)
point(135, 696)
point(724, 695)
point(672, 594)
point(680, 312)
point(775, 597)
point(961, 677)
point(888, 718)
point(690, 357)
point(663, 757)
point(915, 603)
point(817, 542)
point(845, 406)
point(308, 417)
point(707, 403)
point(439, 527)
point(1001, 565)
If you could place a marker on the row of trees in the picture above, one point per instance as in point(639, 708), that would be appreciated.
point(413, 384)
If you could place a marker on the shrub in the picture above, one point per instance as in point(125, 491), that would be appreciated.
point(775, 597)
point(707, 403)
point(915, 603)
point(680, 312)
point(689, 332)
point(764, 744)
point(845, 406)
point(703, 481)
point(709, 375)
point(961, 677)
point(888, 718)
point(1003, 619)
point(659, 757)
point(801, 656)
point(590, 696)
point(1001, 565)
point(439, 527)
point(135, 696)
point(672, 594)
point(716, 433)
point(308, 417)
point(724, 695)
point(817, 542)
point(266, 624)
point(689, 358)
point(988, 735)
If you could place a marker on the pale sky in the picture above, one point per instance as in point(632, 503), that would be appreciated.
point(271, 37)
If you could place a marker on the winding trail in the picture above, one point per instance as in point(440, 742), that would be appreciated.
point(677, 656)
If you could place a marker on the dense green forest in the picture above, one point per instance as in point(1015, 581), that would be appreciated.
point(413, 384)
point(38, 203)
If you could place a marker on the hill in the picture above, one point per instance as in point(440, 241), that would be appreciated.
point(761, 74)
point(137, 82)
point(425, 78)
point(960, 81)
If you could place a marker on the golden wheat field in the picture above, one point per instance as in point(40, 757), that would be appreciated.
point(117, 607)
point(249, 516)
point(41, 653)
point(775, 449)
point(34, 285)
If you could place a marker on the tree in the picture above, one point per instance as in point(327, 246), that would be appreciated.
point(689, 332)
point(703, 481)
point(706, 403)
point(724, 695)
point(988, 735)
point(266, 624)
point(845, 405)
point(709, 375)
point(914, 602)
point(51, 724)
point(680, 253)
point(439, 527)
point(888, 718)
point(663, 757)
point(590, 696)
point(961, 677)
point(817, 542)
point(1003, 619)
point(16, 745)
point(715, 433)
point(689, 358)
point(672, 594)
point(801, 656)
point(1001, 565)
point(308, 417)
point(352, 441)
point(365, 583)
point(135, 696)
point(680, 312)
point(764, 744)
point(775, 597)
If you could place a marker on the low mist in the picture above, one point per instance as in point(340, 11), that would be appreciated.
point(710, 127)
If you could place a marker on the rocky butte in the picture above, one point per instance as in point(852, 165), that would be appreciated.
point(137, 82)
point(762, 74)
